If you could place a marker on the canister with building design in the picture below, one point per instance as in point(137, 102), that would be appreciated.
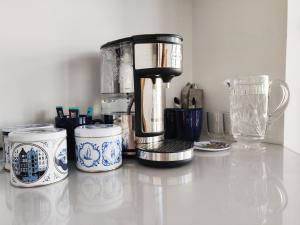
point(38, 156)
point(98, 147)
point(6, 144)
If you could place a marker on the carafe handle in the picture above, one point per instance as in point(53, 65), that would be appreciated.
point(278, 111)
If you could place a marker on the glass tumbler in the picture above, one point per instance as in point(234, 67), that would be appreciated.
point(215, 125)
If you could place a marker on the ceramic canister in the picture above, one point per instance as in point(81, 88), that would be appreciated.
point(98, 147)
point(6, 144)
point(39, 156)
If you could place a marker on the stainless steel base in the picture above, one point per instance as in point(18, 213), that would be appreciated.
point(148, 140)
point(165, 157)
point(169, 153)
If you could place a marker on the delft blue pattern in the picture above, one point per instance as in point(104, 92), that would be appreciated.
point(61, 161)
point(114, 149)
point(30, 166)
point(119, 155)
point(88, 160)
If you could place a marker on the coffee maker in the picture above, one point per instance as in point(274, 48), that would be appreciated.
point(134, 73)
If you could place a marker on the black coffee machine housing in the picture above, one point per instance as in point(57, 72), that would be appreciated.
point(150, 60)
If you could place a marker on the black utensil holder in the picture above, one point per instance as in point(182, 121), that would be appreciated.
point(70, 124)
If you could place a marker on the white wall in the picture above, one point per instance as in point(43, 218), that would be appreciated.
point(236, 38)
point(292, 118)
point(49, 50)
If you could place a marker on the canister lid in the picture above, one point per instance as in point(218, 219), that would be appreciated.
point(7, 130)
point(36, 134)
point(98, 130)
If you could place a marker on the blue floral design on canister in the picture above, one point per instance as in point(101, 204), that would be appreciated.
point(111, 152)
point(88, 154)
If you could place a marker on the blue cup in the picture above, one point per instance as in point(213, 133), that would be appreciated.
point(189, 124)
point(184, 124)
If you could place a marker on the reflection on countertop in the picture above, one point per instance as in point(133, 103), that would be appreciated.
point(234, 187)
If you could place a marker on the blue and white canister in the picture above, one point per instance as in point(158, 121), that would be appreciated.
point(6, 144)
point(38, 156)
point(98, 147)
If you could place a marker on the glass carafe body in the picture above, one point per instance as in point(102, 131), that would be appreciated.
point(249, 106)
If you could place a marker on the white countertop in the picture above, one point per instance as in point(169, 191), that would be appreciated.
point(237, 187)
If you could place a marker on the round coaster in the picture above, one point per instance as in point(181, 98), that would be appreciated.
point(211, 146)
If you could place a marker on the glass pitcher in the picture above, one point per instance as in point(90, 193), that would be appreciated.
point(249, 106)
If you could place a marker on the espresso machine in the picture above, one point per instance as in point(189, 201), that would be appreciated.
point(134, 73)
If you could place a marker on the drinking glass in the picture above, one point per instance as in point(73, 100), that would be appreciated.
point(215, 125)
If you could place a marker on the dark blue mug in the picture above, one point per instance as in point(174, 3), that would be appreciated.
point(184, 124)
point(189, 124)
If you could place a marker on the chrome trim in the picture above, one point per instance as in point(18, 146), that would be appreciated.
point(165, 157)
point(158, 55)
point(152, 104)
point(142, 141)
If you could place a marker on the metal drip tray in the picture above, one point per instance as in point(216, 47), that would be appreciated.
point(168, 153)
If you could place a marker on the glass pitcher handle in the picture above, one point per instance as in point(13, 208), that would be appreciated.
point(278, 111)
